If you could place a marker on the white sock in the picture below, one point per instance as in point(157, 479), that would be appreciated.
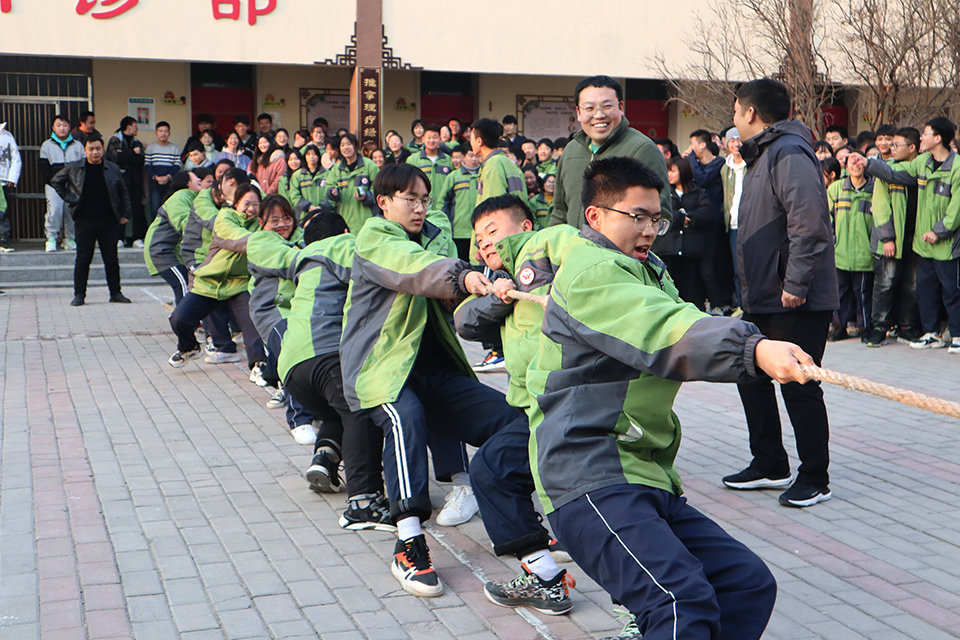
point(409, 528)
point(542, 564)
point(461, 479)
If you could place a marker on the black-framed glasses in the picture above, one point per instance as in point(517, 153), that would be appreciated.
point(641, 221)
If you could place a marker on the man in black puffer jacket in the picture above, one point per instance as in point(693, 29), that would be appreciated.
point(788, 285)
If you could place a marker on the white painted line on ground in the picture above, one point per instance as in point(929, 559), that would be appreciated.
point(458, 553)
point(166, 305)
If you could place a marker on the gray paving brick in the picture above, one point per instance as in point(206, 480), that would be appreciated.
point(194, 617)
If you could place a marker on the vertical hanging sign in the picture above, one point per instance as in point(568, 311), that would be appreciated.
point(370, 94)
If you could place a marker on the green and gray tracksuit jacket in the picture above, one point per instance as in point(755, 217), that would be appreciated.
point(269, 257)
point(458, 200)
point(197, 230)
point(850, 209)
point(541, 210)
point(436, 171)
point(161, 246)
point(890, 203)
point(349, 181)
point(547, 168)
point(321, 275)
point(937, 208)
point(396, 283)
point(617, 342)
point(499, 176)
point(624, 141)
point(531, 259)
point(308, 190)
point(224, 272)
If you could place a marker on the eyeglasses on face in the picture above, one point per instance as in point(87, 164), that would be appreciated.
point(641, 221)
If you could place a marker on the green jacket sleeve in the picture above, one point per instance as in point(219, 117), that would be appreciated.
point(393, 261)
point(229, 233)
point(559, 215)
point(883, 213)
point(271, 256)
point(950, 222)
point(904, 173)
point(651, 331)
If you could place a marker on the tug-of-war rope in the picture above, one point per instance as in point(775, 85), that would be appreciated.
point(912, 398)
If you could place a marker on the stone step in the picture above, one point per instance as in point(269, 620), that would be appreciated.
point(61, 258)
point(37, 268)
point(92, 282)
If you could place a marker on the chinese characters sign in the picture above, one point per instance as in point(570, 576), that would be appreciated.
point(233, 8)
point(222, 9)
point(369, 101)
point(6, 6)
point(109, 8)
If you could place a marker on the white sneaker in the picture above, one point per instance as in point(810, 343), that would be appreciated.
point(304, 434)
point(256, 374)
point(208, 347)
point(954, 346)
point(279, 399)
point(138, 244)
point(929, 341)
point(51, 246)
point(4, 249)
point(69, 245)
point(119, 244)
point(461, 505)
point(221, 357)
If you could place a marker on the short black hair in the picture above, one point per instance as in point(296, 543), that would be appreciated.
point(519, 210)
point(93, 137)
point(273, 201)
point(910, 134)
point(770, 99)
point(244, 189)
point(126, 121)
point(162, 123)
point(202, 172)
point(413, 125)
point(311, 147)
point(464, 148)
point(943, 128)
point(546, 141)
point(837, 128)
point(239, 175)
point(319, 122)
point(227, 161)
point(866, 137)
point(830, 165)
point(886, 130)
point(560, 143)
point(180, 180)
point(432, 127)
point(86, 114)
point(703, 136)
point(195, 145)
point(265, 116)
point(606, 180)
point(398, 177)
point(822, 144)
point(353, 140)
point(241, 120)
point(509, 119)
point(488, 130)
point(59, 116)
point(205, 118)
point(600, 82)
point(320, 224)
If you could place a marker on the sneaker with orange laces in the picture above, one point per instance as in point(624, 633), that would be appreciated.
point(528, 590)
point(411, 566)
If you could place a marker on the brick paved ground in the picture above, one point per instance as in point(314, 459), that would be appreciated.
point(139, 501)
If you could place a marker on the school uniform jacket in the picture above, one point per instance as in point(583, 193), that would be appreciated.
point(852, 223)
point(458, 199)
point(269, 257)
point(308, 190)
point(321, 275)
point(396, 283)
point(161, 246)
point(937, 208)
point(224, 272)
point(354, 212)
point(499, 176)
point(436, 171)
point(617, 342)
point(196, 229)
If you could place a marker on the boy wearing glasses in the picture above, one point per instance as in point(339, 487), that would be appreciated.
point(401, 358)
point(605, 133)
point(603, 433)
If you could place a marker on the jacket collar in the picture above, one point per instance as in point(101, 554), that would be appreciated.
point(508, 249)
point(753, 148)
point(495, 152)
point(596, 237)
point(424, 156)
point(582, 138)
point(947, 163)
point(866, 188)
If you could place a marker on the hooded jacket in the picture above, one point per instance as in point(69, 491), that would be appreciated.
point(624, 141)
point(10, 163)
point(130, 155)
point(68, 183)
point(161, 246)
point(785, 239)
point(396, 284)
point(321, 275)
point(617, 342)
point(938, 208)
point(54, 155)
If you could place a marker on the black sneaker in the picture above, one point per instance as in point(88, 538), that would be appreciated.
point(630, 629)
point(528, 590)
point(122, 299)
point(324, 473)
point(750, 478)
point(874, 338)
point(374, 515)
point(802, 494)
point(77, 301)
point(180, 358)
point(411, 566)
point(840, 333)
point(906, 335)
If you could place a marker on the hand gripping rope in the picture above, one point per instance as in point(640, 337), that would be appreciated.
point(912, 398)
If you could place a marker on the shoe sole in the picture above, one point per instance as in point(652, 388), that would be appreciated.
point(275, 405)
point(228, 360)
point(414, 588)
point(488, 369)
point(320, 482)
point(953, 350)
point(525, 602)
point(187, 358)
point(367, 526)
point(820, 497)
point(444, 522)
point(762, 483)
point(913, 345)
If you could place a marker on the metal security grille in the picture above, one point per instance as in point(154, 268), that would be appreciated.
point(28, 104)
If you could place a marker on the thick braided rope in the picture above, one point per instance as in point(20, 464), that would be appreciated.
point(912, 398)
point(936, 405)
